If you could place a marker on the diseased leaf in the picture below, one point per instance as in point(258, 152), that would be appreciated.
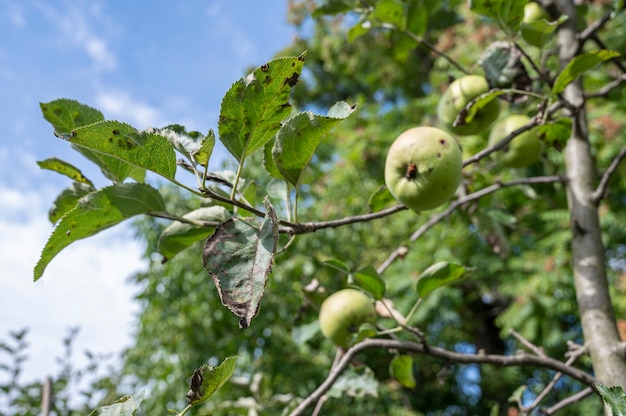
point(254, 107)
point(193, 145)
point(140, 149)
point(126, 406)
point(579, 65)
point(557, 133)
point(66, 115)
point(64, 168)
point(401, 368)
point(207, 379)
point(67, 200)
point(113, 168)
point(97, 211)
point(298, 138)
point(239, 256)
point(369, 280)
point(614, 397)
point(437, 275)
point(179, 235)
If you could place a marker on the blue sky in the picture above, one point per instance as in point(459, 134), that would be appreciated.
point(148, 63)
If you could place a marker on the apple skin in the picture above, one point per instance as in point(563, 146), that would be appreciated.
point(423, 168)
point(459, 93)
point(533, 12)
point(343, 312)
point(524, 150)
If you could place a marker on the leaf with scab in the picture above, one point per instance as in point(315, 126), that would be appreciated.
point(239, 256)
point(207, 379)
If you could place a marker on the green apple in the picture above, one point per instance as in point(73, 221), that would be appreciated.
point(524, 149)
point(460, 93)
point(534, 23)
point(343, 312)
point(423, 168)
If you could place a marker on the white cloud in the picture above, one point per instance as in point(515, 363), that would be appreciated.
point(121, 106)
point(78, 23)
point(85, 285)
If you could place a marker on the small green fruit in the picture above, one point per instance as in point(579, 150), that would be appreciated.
point(524, 149)
point(343, 312)
point(530, 29)
point(423, 168)
point(460, 93)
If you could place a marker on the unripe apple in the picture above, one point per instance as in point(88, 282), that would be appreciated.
point(524, 149)
point(530, 30)
point(423, 168)
point(460, 93)
point(343, 312)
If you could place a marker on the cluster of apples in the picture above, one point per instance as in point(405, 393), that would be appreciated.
point(423, 169)
point(423, 165)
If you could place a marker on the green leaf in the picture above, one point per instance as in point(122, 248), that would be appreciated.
point(437, 275)
point(140, 149)
point(543, 28)
point(298, 138)
point(67, 200)
point(333, 7)
point(268, 161)
point(360, 28)
point(337, 265)
point(389, 11)
point(64, 168)
point(239, 256)
point(179, 235)
point(579, 65)
point(370, 280)
point(614, 397)
point(557, 133)
point(207, 379)
point(467, 114)
point(126, 406)
point(416, 17)
point(401, 368)
point(112, 168)
point(303, 333)
point(254, 106)
point(97, 211)
point(380, 198)
point(66, 115)
point(507, 13)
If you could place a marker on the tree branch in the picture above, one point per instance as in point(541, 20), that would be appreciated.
point(402, 250)
point(570, 400)
point(604, 91)
point(519, 359)
point(598, 194)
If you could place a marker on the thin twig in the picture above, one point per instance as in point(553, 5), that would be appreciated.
point(598, 194)
point(570, 400)
point(532, 347)
point(604, 91)
point(402, 250)
point(520, 359)
point(594, 27)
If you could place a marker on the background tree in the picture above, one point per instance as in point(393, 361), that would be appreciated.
point(543, 245)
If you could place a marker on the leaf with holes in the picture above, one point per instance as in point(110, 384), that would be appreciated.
point(239, 256)
point(97, 211)
point(254, 107)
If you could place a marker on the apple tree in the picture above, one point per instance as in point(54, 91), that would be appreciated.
point(499, 295)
